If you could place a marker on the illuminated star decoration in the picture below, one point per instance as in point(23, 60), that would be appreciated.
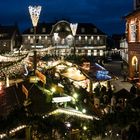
point(73, 27)
point(34, 13)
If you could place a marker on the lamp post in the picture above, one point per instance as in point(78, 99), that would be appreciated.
point(34, 14)
point(73, 27)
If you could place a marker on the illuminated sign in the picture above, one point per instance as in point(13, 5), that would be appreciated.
point(102, 75)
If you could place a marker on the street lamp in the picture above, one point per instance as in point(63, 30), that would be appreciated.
point(34, 14)
point(73, 27)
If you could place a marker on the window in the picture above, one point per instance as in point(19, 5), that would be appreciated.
point(95, 30)
point(83, 30)
point(133, 32)
point(86, 38)
point(101, 41)
point(31, 40)
point(89, 53)
point(95, 53)
point(43, 30)
point(46, 37)
point(79, 37)
point(89, 41)
point(95, 41)
point(101, 53)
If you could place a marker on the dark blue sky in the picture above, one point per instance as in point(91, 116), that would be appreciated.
point(105, 14)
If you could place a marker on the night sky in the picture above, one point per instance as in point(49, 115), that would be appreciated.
point(105, 14)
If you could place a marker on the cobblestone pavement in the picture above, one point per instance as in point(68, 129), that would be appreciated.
point(114, 68)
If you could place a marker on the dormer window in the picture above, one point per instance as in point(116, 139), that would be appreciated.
point(95, 30)
point(83, 30)
point(43, 30)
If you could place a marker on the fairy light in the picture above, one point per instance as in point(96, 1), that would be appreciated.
point(74, 113)
point(17, 129)
point(73, 27)
point(3, 135)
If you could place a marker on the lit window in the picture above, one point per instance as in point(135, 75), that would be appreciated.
point(32, 40)
point(133, 32)
point(95, 41)
point(39, 37)
point(89, 52)
point(95, 53)
point(92, 37)
point(101, 53)
point(85, 37)
point(98, 37)
point(46, 37)
point(29, 37)
point(79, 37)
point(89, 41)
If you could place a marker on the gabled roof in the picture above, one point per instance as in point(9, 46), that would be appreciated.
point(83, 28)
point(39, 28)
point(89, 29)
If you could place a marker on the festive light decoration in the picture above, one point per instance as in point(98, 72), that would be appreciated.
point(73, 27)
point(75, 95)
point(84, 128)
point(3, 135)
point(53, 89)
point(10, 58)
point(73, 112)
point(61, 99)
point(17, 129)
point(84, 111)
point(34, 13)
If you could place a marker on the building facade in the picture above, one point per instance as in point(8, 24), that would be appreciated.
point(133, 39)
point(124, 49)
point(58, 39)
point(9, 38)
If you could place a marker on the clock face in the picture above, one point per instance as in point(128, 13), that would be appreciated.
point(133, 32)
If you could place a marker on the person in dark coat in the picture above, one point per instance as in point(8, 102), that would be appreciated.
point(132, 132)
point(133, 90)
